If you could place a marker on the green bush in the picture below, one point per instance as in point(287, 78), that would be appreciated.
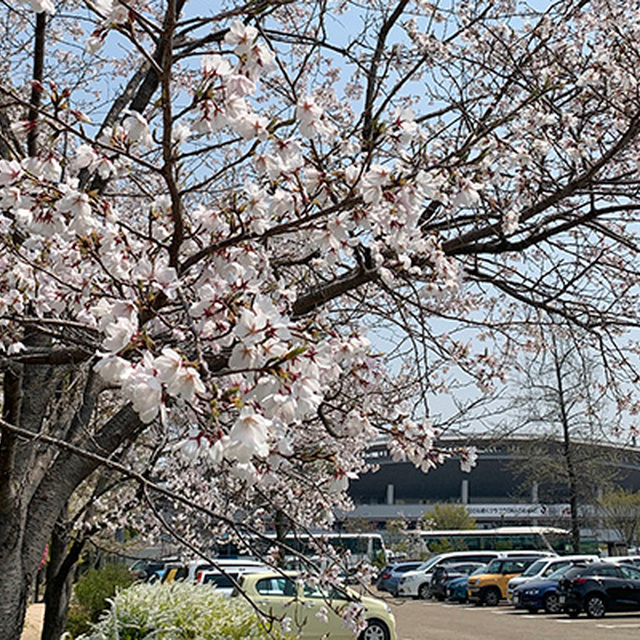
point(92, 591)
point(177, 611)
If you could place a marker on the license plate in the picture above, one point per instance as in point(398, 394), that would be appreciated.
point(562, 599)
point(515, 599)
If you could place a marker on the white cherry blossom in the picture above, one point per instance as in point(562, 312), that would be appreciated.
point(39, 6)
point(241, 36)
point(249, 436)
point(10, 171)
point(136, 129)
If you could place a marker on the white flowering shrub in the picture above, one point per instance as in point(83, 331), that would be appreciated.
point(178, 611)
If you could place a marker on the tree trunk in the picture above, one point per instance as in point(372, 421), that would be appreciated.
point(14, 581)
point(60, 571)
point(27, 515)
point(283, 527)
point(568, 455)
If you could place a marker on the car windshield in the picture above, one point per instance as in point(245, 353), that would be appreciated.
point(428, 564)
point(534, 568)
point(479, 570)
point(494, 566)
point(403, 568)
point(558, 573)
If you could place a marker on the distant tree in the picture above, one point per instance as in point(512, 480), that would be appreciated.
point(563, 403)
point(396, 536)
point(359, 525)
point(620, 511)
point(448, 516)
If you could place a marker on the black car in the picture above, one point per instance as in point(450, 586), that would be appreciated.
point(443, 574)
point(600, 587)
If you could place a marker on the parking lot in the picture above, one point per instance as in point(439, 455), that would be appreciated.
point(430, 620)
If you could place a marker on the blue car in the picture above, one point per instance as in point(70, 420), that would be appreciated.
point(540, 593)
point(389, 577)
point(456, 589)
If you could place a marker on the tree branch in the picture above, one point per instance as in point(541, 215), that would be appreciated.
point(36, 83)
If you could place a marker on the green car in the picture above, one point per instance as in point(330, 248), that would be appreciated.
point(308, 611)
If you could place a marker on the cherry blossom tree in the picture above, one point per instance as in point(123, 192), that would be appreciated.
point(213, 217)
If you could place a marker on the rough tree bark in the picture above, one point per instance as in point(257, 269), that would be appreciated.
point(63, 557)
point(31, 514)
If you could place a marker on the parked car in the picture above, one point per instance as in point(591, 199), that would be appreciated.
point(491, 587)
point(457, 588)
point(541, 593)
point(196, 567)
point(445, 573)
point(173, 571)
point(417, 583)
point(634, 560)
point(226, 579)
point(600, 587)
point(313, 611)
point(543, 568)
point(389, 577)
point(148, 570)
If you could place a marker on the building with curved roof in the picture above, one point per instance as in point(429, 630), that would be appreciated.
point(494, 492)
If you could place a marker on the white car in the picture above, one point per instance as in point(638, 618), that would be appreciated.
point(197, 567)
point(543, 568)
point(227, 580)
point(417, 583)
point(634, 560)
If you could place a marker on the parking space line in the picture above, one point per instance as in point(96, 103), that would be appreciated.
point(618, 626)
point(573, 620)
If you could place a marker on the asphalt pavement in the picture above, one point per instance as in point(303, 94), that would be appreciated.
point(431, 620)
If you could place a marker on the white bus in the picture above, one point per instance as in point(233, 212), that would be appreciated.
point(355, 548)
point(499, 539)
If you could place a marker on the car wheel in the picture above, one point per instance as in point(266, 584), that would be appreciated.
point(375, 630)
point(491, 597)
point(552, 603)
point(594, 607)
point(424, 592)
